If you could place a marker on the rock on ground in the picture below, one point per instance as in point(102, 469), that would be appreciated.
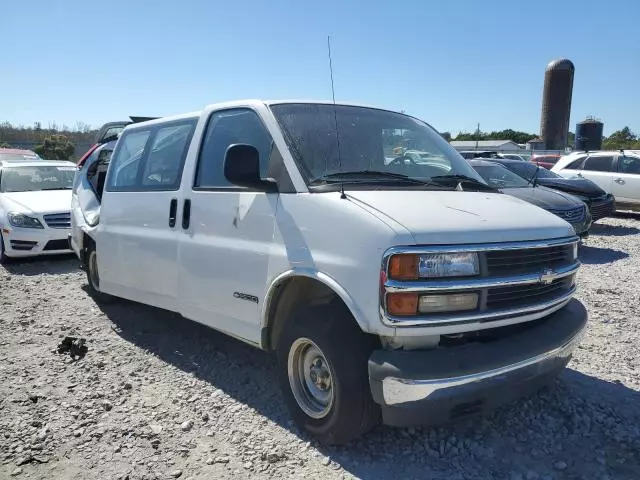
point(160, 397)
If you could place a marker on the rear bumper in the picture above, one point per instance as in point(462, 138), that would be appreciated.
point(29, 242)
point(446, 384)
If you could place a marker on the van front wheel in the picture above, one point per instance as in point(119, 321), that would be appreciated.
point(93, 277)
point(322, 366)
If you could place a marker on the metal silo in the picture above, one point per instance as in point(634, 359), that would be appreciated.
point(556, 103)
point(589, 135)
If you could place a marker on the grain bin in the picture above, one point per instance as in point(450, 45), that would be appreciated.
point(556, 103)
point(589, 135)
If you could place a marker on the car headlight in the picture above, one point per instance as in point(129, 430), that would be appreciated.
point(433, 265)
point(23, 221)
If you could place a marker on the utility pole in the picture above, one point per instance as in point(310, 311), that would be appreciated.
point(477, 134)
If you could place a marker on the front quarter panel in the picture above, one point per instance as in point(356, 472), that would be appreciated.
point(337, 242)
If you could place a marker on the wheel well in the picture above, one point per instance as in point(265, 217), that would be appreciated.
point(290, 295)
point(87, 242)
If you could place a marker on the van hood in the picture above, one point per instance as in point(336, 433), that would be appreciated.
point(38, 202)
point(454, 217)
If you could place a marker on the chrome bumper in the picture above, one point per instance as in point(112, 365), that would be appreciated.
point(434, 386)
point(398, 390)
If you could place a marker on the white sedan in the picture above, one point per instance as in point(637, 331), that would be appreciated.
point(35, 204)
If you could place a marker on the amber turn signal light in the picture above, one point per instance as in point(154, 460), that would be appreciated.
point(403, 267)
point(402, 304)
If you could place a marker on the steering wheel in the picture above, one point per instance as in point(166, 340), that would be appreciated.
point(400, 161)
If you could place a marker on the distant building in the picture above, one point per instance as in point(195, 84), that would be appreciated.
point(536, 144)
point(499, 145)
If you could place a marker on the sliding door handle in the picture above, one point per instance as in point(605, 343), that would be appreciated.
point(186, 213)
point(173, 210)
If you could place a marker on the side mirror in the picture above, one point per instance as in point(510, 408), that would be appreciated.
point(242, 168)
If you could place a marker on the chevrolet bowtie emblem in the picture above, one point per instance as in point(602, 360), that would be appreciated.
point(547, 276)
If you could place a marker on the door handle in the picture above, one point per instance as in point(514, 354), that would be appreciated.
point(173, 209)
point(186, 213)
point(619, 180)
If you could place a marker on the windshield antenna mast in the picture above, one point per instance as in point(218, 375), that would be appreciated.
point(335, 115)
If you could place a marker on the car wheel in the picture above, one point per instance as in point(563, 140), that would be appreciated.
point(3, 256)
point(322, 367)
point(93, 278)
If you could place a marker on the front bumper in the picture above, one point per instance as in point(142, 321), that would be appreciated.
point(28, 242)
point(603, 208)
point(446, 384)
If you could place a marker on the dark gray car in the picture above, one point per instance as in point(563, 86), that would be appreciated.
point(562, 204)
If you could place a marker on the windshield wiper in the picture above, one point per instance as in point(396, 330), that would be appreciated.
point(366, 176)
point(534, 178)
point(464, 178)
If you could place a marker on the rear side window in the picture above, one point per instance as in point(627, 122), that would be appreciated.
point(150, 159)
point(599, 164)
point(226, 128)
point(576, 164)
point(629, 165)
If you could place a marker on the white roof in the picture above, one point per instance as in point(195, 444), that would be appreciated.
point(36, 163)
point(481, 143)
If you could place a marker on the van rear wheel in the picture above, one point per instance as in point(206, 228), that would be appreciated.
point(322, 367)
point(93, 278)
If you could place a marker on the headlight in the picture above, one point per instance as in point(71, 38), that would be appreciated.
point(433, 265)
point(23, 221)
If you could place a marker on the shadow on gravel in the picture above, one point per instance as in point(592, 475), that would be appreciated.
point(613, 230)
point(53, 265)
point(629, 215)
point(249, 376)
point(600, 256)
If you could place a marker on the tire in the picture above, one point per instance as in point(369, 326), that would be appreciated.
point(3, 256)
point(93, 278)
point(334, 406)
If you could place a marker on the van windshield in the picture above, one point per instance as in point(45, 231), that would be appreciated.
point(374, 145)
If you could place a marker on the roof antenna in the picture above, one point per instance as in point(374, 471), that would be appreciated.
point(335, 116)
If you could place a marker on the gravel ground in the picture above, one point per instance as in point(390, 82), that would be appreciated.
point(157, 396)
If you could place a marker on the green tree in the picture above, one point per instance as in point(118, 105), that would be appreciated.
point(5, 145)
point(55, 147)
point(624, 138)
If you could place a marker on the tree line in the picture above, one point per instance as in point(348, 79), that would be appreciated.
point(58, 143)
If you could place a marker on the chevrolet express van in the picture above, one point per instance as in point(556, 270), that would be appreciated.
point(390, 289)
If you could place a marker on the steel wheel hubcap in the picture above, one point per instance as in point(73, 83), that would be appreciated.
point(310, 378)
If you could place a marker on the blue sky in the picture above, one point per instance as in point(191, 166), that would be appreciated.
point(451, 63)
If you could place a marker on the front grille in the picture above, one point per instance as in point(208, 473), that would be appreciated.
point(57, 245)
point(23, 245)
point(58, 220)
point(519, 295)
point(516, 262)
point(572, 215)
point(601, 209)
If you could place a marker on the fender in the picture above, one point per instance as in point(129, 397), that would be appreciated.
point(323, 278)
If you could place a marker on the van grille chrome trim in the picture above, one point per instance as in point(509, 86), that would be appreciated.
point(515, 279)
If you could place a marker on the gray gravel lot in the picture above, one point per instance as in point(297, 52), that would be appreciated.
point(158, 396)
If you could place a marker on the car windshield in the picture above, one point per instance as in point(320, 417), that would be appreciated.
point(500, 177)
point(366, 141)
point(29, 178)
point(527, 170)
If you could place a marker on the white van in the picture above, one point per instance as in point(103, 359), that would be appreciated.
point(407, 292)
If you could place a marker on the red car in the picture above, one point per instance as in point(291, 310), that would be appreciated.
point(545, 160)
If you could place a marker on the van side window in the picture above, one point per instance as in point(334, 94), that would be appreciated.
point(124, 171)
point(163, 167)
point(225, 128)
point(599, 164)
